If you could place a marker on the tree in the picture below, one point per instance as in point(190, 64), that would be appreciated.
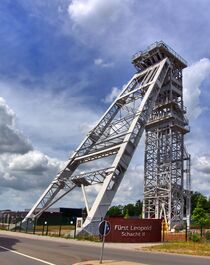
point(200, 216)
point(115, 211)
point(138, 208)
point(126, 210)
point(208, 205)
point(194, 200)
point(126, 214)
point(202, 202)
point(129, 210)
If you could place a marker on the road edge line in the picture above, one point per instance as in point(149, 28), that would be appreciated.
point(27, 256)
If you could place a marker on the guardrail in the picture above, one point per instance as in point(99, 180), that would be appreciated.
point(156, 45)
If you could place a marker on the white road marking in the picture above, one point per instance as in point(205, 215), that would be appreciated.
point(27, 256)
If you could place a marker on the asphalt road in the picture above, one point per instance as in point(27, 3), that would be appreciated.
point(68, 252)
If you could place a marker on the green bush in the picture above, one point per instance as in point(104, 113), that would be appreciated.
point(208, 235)
point(179, 228)
point(195, 237)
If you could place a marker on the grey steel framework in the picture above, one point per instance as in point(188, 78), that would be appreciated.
point(167, 163)
point(104, 155)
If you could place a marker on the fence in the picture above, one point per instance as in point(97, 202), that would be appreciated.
point(185, 234)
point(61, 229)
point(66, 228)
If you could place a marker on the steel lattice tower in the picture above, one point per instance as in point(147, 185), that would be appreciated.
point(104, 155)
point(167, 168)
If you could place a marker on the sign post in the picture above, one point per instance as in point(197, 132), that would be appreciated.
point(104, 229)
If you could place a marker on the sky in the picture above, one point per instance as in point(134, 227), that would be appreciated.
point(62, 62)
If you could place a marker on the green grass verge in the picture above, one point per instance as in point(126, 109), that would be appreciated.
point(189, 248)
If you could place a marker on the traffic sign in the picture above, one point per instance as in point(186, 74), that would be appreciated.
point(104, 228)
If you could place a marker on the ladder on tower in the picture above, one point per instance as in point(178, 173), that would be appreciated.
point(108, 148)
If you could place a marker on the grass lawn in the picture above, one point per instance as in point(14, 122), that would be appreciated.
point(190, 248)
point(55, 228)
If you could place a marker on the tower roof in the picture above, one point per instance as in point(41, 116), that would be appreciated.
point(155, 53)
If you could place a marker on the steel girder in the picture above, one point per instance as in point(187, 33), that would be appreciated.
point(165, 170)
point(112, 143)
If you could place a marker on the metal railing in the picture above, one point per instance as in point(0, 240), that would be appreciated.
point(156, 45)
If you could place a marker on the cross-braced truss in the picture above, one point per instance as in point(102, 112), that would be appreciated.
point(112, 143)
point(167, 176)
point(104, 155)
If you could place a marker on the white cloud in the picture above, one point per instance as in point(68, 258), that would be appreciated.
point(32, 170)
point(21, 167)
point(11, 140)
point(51, 120)
point(33, 161)
point(114, 93)
point(202, 164)
point(95, 13)
point(194, 76)
point(86, 127)
point(6, 114)
point(107, 25)
point(201, 173)
point(100, 62)
point(131, 186)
